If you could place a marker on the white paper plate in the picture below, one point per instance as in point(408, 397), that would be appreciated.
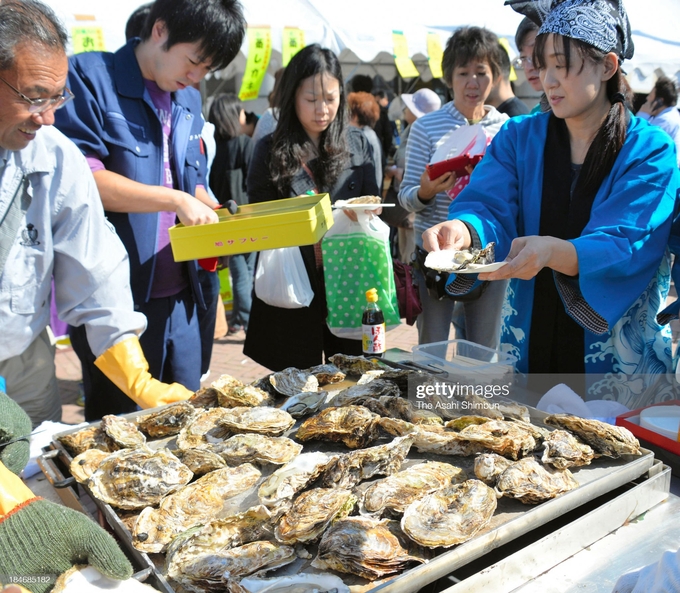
point(477, 269)
point(343, 205)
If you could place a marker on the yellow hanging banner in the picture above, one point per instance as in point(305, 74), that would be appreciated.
point(404, 64)
point(506, 46)
point(259, 52)
point(435, 54)
point(87, 39)
point(293, 41)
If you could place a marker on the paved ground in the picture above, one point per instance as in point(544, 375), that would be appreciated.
point(227, 357)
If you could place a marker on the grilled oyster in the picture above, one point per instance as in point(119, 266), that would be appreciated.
point(84, 465)
point(514, 410)
point(509, 439)
point(298, 583)
point(204, 398)
point(605, 439)
point(285, 482)
point(462, 422)
point(305, 403)
point(451, 515)
point(399, 407)
point(193, 504)
point(136, 478)
point(232, 393)
point(166, 422)
point(354, 365)
point(200, 461)
point(365, 547)
point(530, 482)
point(451, 260)
point(205, 430)
point(353, 425)
point(292, 381)
point(217, 535)
point(396, 492)
point(260, 420)
point(90, 437)
point(242, 448)
point(489, 466)
point(346, 471)
point(368, 402)
point(123, 432)
point(375, 389)
point(562, 450)
point(312, 512)
point(211, 571)
point(431, 438)
point(327, 374)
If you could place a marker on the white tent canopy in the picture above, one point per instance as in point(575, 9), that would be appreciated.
point(360, 31)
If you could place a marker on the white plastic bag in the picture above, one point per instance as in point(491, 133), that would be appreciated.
point(281, 279)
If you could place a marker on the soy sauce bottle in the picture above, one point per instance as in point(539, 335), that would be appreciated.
point(373, 326)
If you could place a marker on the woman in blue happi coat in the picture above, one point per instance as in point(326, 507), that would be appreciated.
point(579, 201)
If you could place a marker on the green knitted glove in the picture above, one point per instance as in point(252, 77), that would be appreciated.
point(14, 424)
point(43, 538)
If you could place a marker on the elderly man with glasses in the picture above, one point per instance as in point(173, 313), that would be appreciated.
point(52, 225)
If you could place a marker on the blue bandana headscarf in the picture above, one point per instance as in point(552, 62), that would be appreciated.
point(600, 23)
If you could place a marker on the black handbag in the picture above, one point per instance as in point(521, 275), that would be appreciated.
point(397, 214)
point(435, 281)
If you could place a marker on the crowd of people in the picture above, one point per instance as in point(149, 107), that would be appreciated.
point(103, 152)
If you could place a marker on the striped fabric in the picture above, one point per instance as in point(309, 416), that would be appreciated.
point(425, 137)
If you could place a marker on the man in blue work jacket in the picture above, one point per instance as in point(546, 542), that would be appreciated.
point(138, 121)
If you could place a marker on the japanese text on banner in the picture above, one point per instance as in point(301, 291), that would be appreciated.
point(435, 54)
point(293, 42)
point(402, 60)
point(259, 52)
point(87, 39)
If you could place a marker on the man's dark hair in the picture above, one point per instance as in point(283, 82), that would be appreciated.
point(666, 90)
point(218, 26)
point(361, 83)
point(252, 118)
point(524, 28)
point(504, 62)
point(379, 94)
point(137, 20)
point(467, 44)
point(224, 115)
point(28, 21)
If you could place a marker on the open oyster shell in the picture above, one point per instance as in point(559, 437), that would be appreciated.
point(251, 447)
point(190, 506)
point(450, 515)
point(365, 547)
point(346, 471)
point(488, 466)
point(205, 430)
point(605, 439)
point(292, 381)
point(279, 488)
point(327, 374)
point(396, 492)
point(531, 482)
point(305, 403)
point(90, 437)
point(123, 432)
point(166, 422)
point(298, 583)
point(355, 426)
point(375, 389)
point(84, 465)
point(312, 512)
point(232, 393)
point(562, 450)
point(451, 260)
point(135, 478)
point(260, 420)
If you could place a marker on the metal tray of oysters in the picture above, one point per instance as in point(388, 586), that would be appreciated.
point(330, 479)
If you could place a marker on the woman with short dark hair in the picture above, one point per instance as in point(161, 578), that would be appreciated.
point(313, 149)
point(364, 111)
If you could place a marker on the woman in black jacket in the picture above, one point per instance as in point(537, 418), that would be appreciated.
point(312, 150)
point(228, 182)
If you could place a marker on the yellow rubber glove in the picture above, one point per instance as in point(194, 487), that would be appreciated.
point(13, 491)
point(126, 366)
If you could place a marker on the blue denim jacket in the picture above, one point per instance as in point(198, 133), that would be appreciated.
point(113, 118)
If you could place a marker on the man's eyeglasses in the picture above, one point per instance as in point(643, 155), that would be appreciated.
point(41, 105)
point(520, 63)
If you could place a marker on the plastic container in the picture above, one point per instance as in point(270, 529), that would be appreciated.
point(664, 420)
point(303, 220)
point(466, 360)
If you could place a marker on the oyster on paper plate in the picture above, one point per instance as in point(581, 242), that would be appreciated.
point(531, 482)
point(312, 512)
point(166, 422)
point(196, 503)
point(605, 439)
point(355, 426)
point(451, 260)
point(450, 515)
point(136, 478)
point(396, 492)
point(366, 547)
point(347, 470)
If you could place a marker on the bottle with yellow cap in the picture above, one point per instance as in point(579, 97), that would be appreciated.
point(373, 326)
